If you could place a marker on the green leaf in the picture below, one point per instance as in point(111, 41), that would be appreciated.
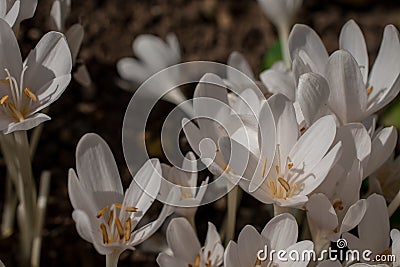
point(391, 116)
point(273, 55)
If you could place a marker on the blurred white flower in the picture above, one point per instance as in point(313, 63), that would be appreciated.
point(186, 247)
point(355, 93)
point(280, 233)
point(281, 12)
point(104, 215)
point(153, 56)
point(31, 86)
point(9, 11)
point(59, 12)
point(189, 198)
point(299, 165)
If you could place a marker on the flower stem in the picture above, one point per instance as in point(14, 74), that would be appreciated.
point(10, 205)
point(283, 33)
point(279, 210)
point(112, 259)
point(394, 204)
point(40, 215)
point(232, 208)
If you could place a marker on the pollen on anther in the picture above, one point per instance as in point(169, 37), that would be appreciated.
point(104, 233)
point(290, 165)
point(284, 184)
point(277, 169)
point(128, 230)
point(5, 81)
point(369, 90)
point(101, 213)
point(30, 94)
point(110, 219)
point(131, 209)
point(3, 99)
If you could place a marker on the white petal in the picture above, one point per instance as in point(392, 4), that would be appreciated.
point(387, 64)
point(281, 13)
point(183, 240)
point(74, 37)
point(27, 9)
point(287, 131)
point(59, 13)
point(329, 263)
point(299, 67)
point(279, 82)
point(239, 62)
point(173, 43)
point(165, 260)
point(79, 197)
point(249, 243)
point(348, 97)
point(10, 56)
point(313, 144)
point(143, 190)
point(353, 216)
point(82, 76)
point(27, 124)
point(312, 95)
point(132, 70)
point(383, 145)
point(213, 245)
point(321, 213)
point(281, 231)
point(12, 13)
point(50, 59)
point(96, 166)
point(301, 246)
point(231, 257)
point(352, 39)
point(304, 38)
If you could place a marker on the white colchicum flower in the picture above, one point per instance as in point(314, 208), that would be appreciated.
point(281, 12)
point(189, 198)
point(355, 92)
point(186, 247)
point(28, 87)
point(153, 56)
point(300, 163)
point(280, 233)
point(104, 215)
point(59, 12)
point(373, 229)
point(15, 11)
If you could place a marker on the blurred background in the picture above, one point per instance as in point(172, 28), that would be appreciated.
point(207, 30)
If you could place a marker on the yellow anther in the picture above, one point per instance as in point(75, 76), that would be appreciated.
point(118, 205)
point(131, 209)
point(17, 114)
point(5, 81)
point(104, 210)
point(338, 205)
point(120, 230)
point(110, 219)
point(290, 165)
point(284, 184)
point(104, 233)
point(197, 261)
point(3, 99)
point(369, 90)
point(294, 186)
point(128, 230)
point(30, 94)
point(272, 187)
point(257, 263)
point(186, 195)
point(264, 167)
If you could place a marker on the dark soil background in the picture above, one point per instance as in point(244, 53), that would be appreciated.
point(207, 30)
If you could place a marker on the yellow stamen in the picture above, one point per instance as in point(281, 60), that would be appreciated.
point(104, 210)
point(272, 187)
point(30, 94)
point(3, 99)
point(131, 209)
point(277, 169)
point(290, 165)
point(264, 167)
point(284, 184)
point(118, 205)
point(17, 114)
point(111, 217)
point(257, 263)
point(104, 233)
point(128, 227)
point(119, 227)
point(369, 90)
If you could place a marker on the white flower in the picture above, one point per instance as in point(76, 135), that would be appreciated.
point(189, 198)
point(33, 85)
point(59, 12)
point(299, 165)
point(281, 12)
point(15, 11)
point(186, 247)
point(104, 215)
point(373, 230)
point(153, 56)
point(280, 233)
point(355, 93)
